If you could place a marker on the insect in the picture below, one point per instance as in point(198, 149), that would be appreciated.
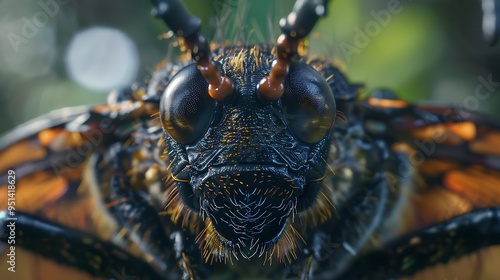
point(249, 156)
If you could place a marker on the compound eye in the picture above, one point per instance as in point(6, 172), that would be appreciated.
point(186, 109)
point(308, 103)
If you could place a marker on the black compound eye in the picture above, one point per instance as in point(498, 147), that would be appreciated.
point(186, 109)
point(308, 103)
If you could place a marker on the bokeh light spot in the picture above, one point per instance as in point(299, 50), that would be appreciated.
point(102, 59)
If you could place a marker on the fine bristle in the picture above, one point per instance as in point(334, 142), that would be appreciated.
point(284, 250)
point(214, 249)
point(176, 209)
point(321, 210)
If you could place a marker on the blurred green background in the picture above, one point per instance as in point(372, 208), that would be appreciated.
point(429, 50)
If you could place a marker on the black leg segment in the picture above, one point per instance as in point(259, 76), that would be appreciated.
point(435, 244)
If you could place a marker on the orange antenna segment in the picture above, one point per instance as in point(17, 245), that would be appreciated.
point(186, 26)
point(219, 87)
point(295, 27)
point(271, 87)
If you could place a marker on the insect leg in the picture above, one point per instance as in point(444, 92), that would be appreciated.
point(334, 244)
point(165, 247)
point(430, 246)
point(73, 247)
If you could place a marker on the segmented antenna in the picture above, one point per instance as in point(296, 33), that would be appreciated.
point(186, 26)
point(295, 27)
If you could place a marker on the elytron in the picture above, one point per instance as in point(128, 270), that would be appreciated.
point(252, 161)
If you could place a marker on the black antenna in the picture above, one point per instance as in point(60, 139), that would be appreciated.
point(188, 27)
point(297, 25)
